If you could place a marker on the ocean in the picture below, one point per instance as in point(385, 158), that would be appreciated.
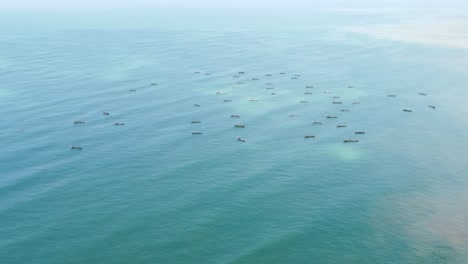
point(150, 191)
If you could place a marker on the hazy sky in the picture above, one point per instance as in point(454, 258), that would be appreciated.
point(142, 4)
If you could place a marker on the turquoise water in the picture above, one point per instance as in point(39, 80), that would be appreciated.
point(151, 192)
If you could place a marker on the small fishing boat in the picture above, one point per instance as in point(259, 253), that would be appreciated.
point(196, 133)
point(422, 94)
point(227, 101)
point(132, 90)
point(350, 140)
point(309, 136)
point(309, 87)
point(241, 72)
point(196, 122)
point(79, 122)
point(317, 123)
point(239, 126)
point(220, 92)
point(270, 88)
point(252, 100)
point(332, 117)
point(359, 132)
point(335, 97)
point(75, 147)
point(240, 139)
point(337, 102)
point(407, 110)
point(234, 115)
point(432, 106)
point(356, 102)
point(303, 102)
point(341, 125)
point(391, 95)
point(293, 115)
point(105, 113)
point(154, 84)
point(344, 110)
point(196, 105)
point(307, 93)
point(119, 124)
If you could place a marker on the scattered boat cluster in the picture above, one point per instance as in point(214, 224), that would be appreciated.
point(308, 93)
point(270, 86)
point(78, 122)
point(336, 100)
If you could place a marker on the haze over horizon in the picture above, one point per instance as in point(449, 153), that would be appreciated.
point(293, 4)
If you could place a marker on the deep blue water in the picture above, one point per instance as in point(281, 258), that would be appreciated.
point(151, 192)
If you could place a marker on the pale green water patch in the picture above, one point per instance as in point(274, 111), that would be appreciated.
point(347, 152)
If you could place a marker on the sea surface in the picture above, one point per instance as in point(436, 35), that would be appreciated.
point(151, 192)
